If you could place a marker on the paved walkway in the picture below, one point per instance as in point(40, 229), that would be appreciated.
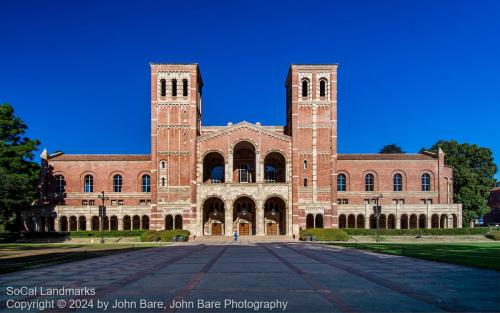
point(307, 277)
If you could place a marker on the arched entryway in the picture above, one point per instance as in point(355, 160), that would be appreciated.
point(382, 223)
point(274, 168)
point(244, 216)
point(145, 222)
point(213, 168)
point(114, 222)
point(443, 221)
point(63, 223)
point(82, 223)
point(342, 221)
point(275, 216)
point(126, 222)
point(213, 217)
point(95, 223)
point(309, 221)
point(106, 223)
point(422, 221)
point(435, 221)
point(351, 221)
point(136, 222)
point(318, 221)
point(244, 162)
point(360, 221)
point(391, 221)
point(169, 222)
point(413, 221)
point(404, 221)
point(178, 221)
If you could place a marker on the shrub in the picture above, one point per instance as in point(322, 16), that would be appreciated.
point(107, 233)
point(414, 232)
point(325, 234)
point(165, 235)
point(494, 234)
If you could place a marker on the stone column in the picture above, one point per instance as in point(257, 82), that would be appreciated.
point(230, 167)
point(120, 223)
point(228, 222)
point(258, 170)
point(227, 172)
point(398, 221)
point(259, 218)
point(88, 220)
point(56, 223)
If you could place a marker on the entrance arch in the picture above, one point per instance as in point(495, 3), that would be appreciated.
point(244, 216)
point(275, 216)
point(244, 162)
point(213, 217)
point(274, 168)
point(309, 221)
point(213, 168)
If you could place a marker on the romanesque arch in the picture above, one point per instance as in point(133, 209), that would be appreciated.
point(244, 163)
point(275, 167)
point(63, 223)
point(244, 216)
point(342, 221)
point(351, 221)
point(126, 222)
point(213, 167)
point(213, 217)
point(275, 216)
point(360, 221)
point(136, 222)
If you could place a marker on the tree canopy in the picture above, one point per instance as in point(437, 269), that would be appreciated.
point(18, 173)
point(392, 148)
point(473, 175)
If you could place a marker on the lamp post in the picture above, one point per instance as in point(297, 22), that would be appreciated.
point(102, 213)
point(377, 210)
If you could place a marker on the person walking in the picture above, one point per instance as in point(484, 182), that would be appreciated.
point(235, 235)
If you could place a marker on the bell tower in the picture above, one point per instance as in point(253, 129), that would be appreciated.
point(311, 92)
point(176, 91)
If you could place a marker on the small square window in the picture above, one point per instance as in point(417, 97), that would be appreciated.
point(114, 202)
point(84, 202)
point(91, 202)
point(120, 202)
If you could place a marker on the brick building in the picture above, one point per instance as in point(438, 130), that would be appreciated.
point(256, 179)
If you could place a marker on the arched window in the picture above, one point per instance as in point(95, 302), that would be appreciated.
point(305, 182)
point(163, 164)
point(184, 87)
point(163, 181)
point(305, 164)
point(322, 88)
point(305, 87)
point(270, 173)
point(341, 182)
point(88, 183)
point(174, 87)
point(369, 182)
point(146, 183)
point(426, 182)
point(60, 183)
point(397, 182)
point(163, 87)
point(117, 183)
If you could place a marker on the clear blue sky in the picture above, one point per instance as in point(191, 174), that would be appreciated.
point(410, 73)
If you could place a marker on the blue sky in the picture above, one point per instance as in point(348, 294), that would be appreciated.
point(410, 72)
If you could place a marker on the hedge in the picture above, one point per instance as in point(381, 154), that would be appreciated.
point(414, 232)
point(494, 234)
point(164, 235)
point(108, 233)
point(324, 234)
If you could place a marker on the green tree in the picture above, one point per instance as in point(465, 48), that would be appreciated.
point(473, 175)
point(18, 173)
point(392, 148)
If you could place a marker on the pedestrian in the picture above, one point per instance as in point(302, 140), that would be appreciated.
point(235, 235)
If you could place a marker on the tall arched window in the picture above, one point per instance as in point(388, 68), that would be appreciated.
point(341, 182)
point(426, 182)
point(184, 87)
point(369, 182)
point(163, 87)
point(174, 87)
point(305, 164)
point(162, 164)
point(305, 182)
point(305, 88)
point(322, 88)
point(117, 183)
point(163, 181)
point(60, 183)
point(146, 183)
point(397, 182)
point(88, 183)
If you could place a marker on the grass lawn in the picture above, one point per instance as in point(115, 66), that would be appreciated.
point(485, 255)
point(16, 257)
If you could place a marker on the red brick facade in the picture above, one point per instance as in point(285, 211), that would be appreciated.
point(250, 178)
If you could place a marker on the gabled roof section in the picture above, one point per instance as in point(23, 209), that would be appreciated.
point(241, 125)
